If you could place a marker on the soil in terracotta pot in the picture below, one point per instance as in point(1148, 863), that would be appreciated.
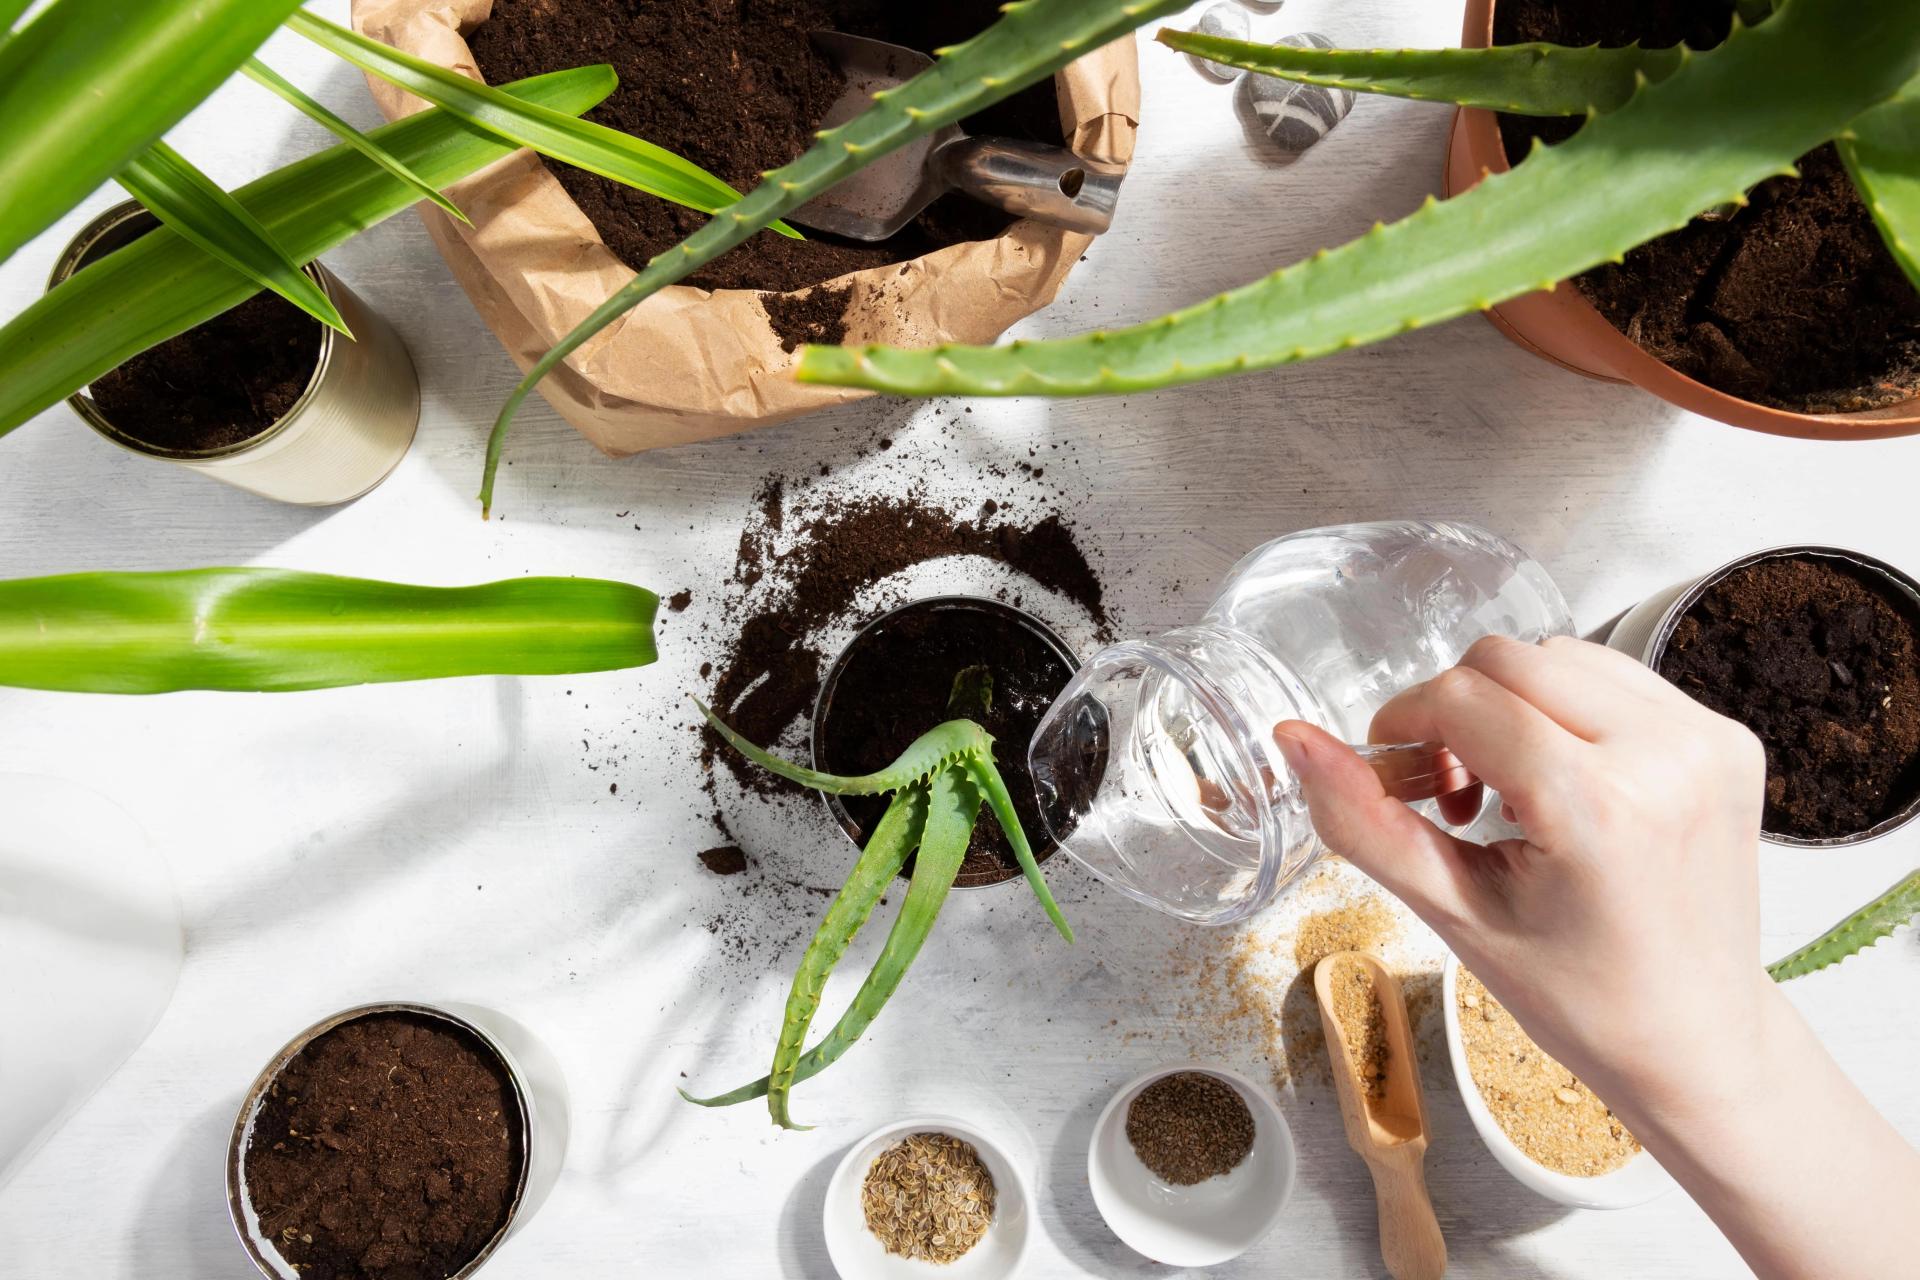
point(737, 87)
point(896, 685)
point(217, 384)
point(1822, 663)
point(388, 1149)
point(1793, 302)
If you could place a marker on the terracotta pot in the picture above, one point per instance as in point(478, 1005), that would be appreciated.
point(1562, 326)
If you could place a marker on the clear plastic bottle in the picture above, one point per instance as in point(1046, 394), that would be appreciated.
point(1156, 767)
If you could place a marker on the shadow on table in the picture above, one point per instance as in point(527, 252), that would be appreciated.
point(1067, 1211)
point(803, 1248)
point(183, 1228)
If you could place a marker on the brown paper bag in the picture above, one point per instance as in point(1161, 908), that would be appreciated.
point(690, 364)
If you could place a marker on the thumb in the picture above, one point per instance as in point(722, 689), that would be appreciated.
point(1417, 862)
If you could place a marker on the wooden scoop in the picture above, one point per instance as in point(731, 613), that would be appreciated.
point(1389, 1132)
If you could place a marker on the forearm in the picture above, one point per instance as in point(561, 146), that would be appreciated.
point(1784, 1154)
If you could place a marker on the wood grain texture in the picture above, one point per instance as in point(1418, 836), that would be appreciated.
point(460, 840)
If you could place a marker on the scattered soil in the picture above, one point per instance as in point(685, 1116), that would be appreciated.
point(216, 384)
point(1793, 302)
point(1363, 1024)
point(819, 316)
point(388, 1149)
point(725, 859)
point(1538, 1103)
point(895, 686)
point(1822, 663)
point(1190, 1126)
point(738, 87)
point(769, 673)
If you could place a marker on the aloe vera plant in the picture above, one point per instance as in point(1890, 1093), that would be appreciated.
point(1856, 933)
point(1671, 134)
point(939, 785)
point(279, 630)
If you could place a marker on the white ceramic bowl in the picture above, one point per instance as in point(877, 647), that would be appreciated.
point(1637, 1181)
point(1202, 1225)
point(858, 1256)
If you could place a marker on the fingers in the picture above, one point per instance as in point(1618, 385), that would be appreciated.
point(1500, 737)
point(1587, 689)
point(1419, 863)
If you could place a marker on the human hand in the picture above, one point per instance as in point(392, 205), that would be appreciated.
point(1623, 929)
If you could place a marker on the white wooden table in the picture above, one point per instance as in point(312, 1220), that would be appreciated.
point(458, 839)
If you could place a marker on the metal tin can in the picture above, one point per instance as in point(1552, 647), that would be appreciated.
point(538, 1096)
point(823, 705)
point(344, 435)
point(1644, 631)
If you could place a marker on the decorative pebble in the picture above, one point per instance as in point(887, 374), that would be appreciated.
point(1229, 22)
point(1295, 116)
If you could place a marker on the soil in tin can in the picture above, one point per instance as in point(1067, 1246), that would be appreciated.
point(1822, 663)
point(1793, 302)
point(388, 1149)
point(738, 87)
point(896, 685)
point(217, 384)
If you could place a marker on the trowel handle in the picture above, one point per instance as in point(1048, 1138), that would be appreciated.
point(1033, 180)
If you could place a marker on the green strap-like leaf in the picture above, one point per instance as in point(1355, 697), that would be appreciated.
point(1032, 40)
point(262, 74)
point(10, 11)
point(906, 825)
point(581, 143)
point(194, 205)
point(988, 779)
point(931, 751)
point(1526, 79)
point(1700, 138)
point(277, 629)
point(161, 285)
point(87, 85)
point(1882, 154)
point(1857, 932)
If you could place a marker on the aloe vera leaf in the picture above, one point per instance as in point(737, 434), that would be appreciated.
point(194, 206)
point(10, 11)
point(1856, 933)
point(988, 779)
point(1525, 79)
point(161, 285)
point(900, 829)
point(87, 85)
point(608, 152)
point(279, 630)
point(262, 74)
point(1823, 63)
point(1032, 40)
point(931, 751)
point(1882, 155)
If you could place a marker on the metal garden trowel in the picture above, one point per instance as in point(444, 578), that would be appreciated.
point(1028, 179)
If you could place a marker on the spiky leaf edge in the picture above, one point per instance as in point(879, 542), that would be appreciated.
point(1872, 922)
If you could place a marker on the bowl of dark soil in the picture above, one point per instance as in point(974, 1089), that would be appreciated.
point(388, 1142)
point(1817, 650)
point(920, 664)
point(739, 89)
point(263, 397)
point(1789, 316)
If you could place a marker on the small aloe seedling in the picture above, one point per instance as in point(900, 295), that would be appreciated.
point(1856, 933)
point(939, 784)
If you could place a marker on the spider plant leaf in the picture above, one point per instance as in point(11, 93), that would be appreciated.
point(194, 206)
point(162, 285)
point(926, 754)
point(1824, 64)
point(581, 143)
point(1856, 933)
point(87, 85)
point(1032, 40)
point(988, 779)
point(278, 629)
point(1882, 155)
point(1525, 79)
point(262, 74)
point(904, 826)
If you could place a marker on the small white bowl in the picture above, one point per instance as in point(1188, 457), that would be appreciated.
point(1210, 1222)
point(1637, 1181)
point(858, 1256)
